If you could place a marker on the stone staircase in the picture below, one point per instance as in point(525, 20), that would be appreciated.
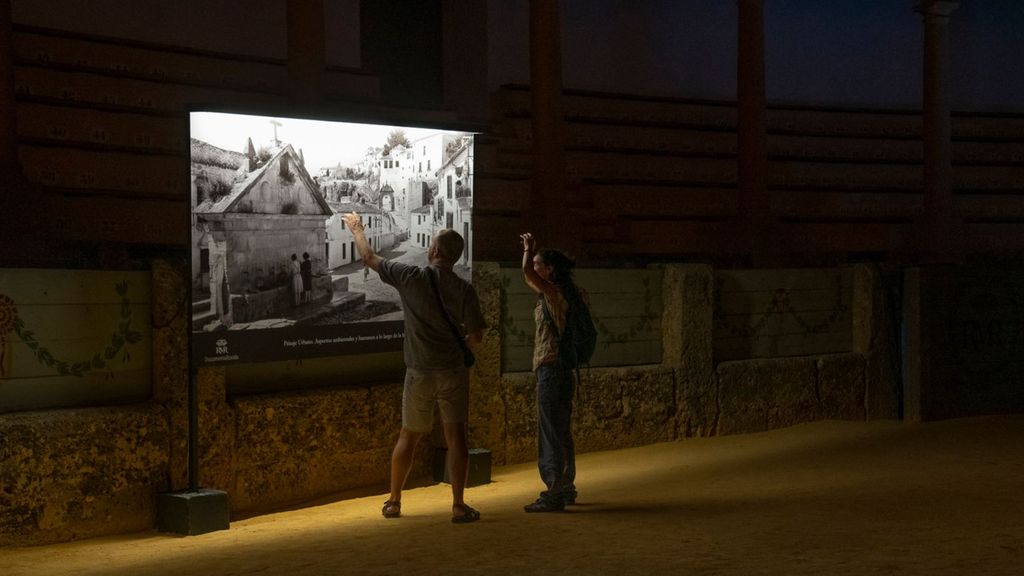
point(202, 313)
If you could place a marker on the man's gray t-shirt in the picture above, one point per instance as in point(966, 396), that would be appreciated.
point(429, 342)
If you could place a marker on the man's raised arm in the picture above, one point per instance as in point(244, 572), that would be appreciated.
point(370, 258)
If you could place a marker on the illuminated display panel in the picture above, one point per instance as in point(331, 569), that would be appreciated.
point(274, 270)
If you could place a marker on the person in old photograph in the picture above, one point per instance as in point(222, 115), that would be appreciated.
point(437, 304)
point(306, 270)
point(549, 274)
point(296, 277)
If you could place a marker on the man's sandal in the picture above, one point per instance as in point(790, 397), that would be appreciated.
point(468, 515)
point(392, 509)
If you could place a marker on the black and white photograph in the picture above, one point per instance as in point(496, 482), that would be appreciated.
point(270, 248)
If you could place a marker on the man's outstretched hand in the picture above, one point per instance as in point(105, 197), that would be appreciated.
point(353, 221)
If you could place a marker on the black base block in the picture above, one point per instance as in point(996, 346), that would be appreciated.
point(192, 512)
point(479, 466)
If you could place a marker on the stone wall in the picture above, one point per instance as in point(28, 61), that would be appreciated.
point(69, 474)
point(965, 342)
point(687, 394)
point(758, 395)
point(297, 446)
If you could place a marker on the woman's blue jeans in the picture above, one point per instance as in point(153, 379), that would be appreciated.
point(556, 453)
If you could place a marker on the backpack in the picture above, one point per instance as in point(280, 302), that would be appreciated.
point(578, 339)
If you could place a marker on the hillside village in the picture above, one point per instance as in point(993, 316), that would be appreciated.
point(253, 210)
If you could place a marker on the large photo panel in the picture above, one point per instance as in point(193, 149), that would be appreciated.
point(274, 270)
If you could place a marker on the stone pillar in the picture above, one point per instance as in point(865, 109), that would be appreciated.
point(939, 237)
point(307, 55)
point(874, 339)
point(488, 421)
point(170, 362)
point(751, 138)
point(545, 215)
point(687, 328)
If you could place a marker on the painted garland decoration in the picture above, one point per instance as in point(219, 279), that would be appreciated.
point(644, 322)
point(780, 305)
point(8, 316)
point(123, 336)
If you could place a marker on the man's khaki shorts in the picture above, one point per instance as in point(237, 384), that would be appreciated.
point(449, 389)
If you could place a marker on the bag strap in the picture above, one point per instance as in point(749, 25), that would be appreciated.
point(550, 319)
point(444, 309)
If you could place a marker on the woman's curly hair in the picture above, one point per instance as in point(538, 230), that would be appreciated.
point(561, 268)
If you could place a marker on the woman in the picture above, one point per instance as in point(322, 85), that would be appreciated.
point(296, 280)
point(549, 274)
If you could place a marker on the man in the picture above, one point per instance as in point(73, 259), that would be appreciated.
point(434, 359)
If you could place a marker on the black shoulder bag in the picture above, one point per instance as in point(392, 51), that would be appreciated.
point(467, 355)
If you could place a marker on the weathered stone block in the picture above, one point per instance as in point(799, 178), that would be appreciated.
point(617, 408)
point(686, 336)
point(759, 395)
point(84, 471)
point(697, 402)
point(520, 418)
point(841, 386)
point(487, 422)
point(614, 408)
point(216, 430)
point(170, 362)
point(301, 445)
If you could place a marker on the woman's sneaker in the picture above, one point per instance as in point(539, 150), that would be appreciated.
point(544, 505)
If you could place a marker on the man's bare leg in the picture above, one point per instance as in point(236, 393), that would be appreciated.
point(401, 461)
point(458, 463)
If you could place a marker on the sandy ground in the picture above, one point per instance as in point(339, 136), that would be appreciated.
point(822, 498)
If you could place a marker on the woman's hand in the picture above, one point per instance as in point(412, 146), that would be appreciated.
point(529, 243)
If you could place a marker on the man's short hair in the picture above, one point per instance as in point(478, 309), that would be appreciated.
point(450, 245)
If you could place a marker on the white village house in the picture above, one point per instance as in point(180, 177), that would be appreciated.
point(455, 203)
point(422, 226)
point(380, 229)
point(252, 220)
